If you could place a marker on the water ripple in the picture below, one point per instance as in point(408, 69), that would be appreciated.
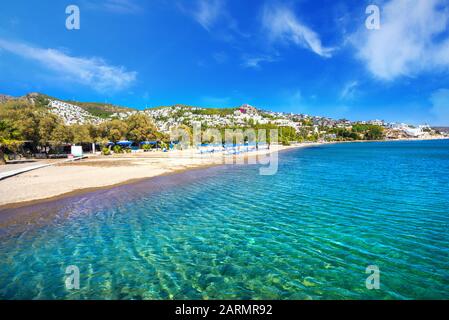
point(308, 232)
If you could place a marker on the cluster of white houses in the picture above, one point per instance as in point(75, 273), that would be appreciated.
point(168, 117)
point(72, 114)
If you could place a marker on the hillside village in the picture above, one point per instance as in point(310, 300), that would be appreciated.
point(244, 116)
point(168, 117)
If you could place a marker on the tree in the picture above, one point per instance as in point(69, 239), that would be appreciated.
point(41, 101)
point(36, 125)
point(114, 130)
point(287, 134)
point(9, 138)
point(2, 153)
point(48, 123)
point(141, 128)
point(96, 134)
point(81, 134)
point(61, 134)
point(375, 133)
point(25, 117)
point(34, 122)
point(369, 132)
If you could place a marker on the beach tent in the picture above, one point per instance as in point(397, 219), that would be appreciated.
point(125, 144)
point(151, 143)
point(173, 144)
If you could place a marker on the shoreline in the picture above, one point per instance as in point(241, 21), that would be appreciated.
point(81, 191)
point(101, 173)
point(31, 188)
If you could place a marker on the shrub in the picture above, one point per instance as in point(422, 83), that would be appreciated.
point(105, 151)
point(146, 147)
point(117, 149)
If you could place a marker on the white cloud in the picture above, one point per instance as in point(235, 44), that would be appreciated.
point(281, 24)
point(214, 17)
point(220, 57)
point(409, 40)
point(440, 106)
point(349, 90)
point(93, 72)
point(255, 61)
point(207, 12)
point(115, 6)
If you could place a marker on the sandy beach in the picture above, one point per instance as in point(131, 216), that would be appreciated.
point(101, 172)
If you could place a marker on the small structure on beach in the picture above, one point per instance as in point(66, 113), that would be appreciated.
point(76, 151)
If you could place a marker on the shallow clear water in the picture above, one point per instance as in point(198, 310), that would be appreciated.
point(308, 232)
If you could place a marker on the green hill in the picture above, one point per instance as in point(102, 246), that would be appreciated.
point(101, 110)
point(106, 110)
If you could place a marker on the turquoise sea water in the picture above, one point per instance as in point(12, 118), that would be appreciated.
point(308, 232)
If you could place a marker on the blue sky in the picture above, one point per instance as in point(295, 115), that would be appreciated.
point(315, 57)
